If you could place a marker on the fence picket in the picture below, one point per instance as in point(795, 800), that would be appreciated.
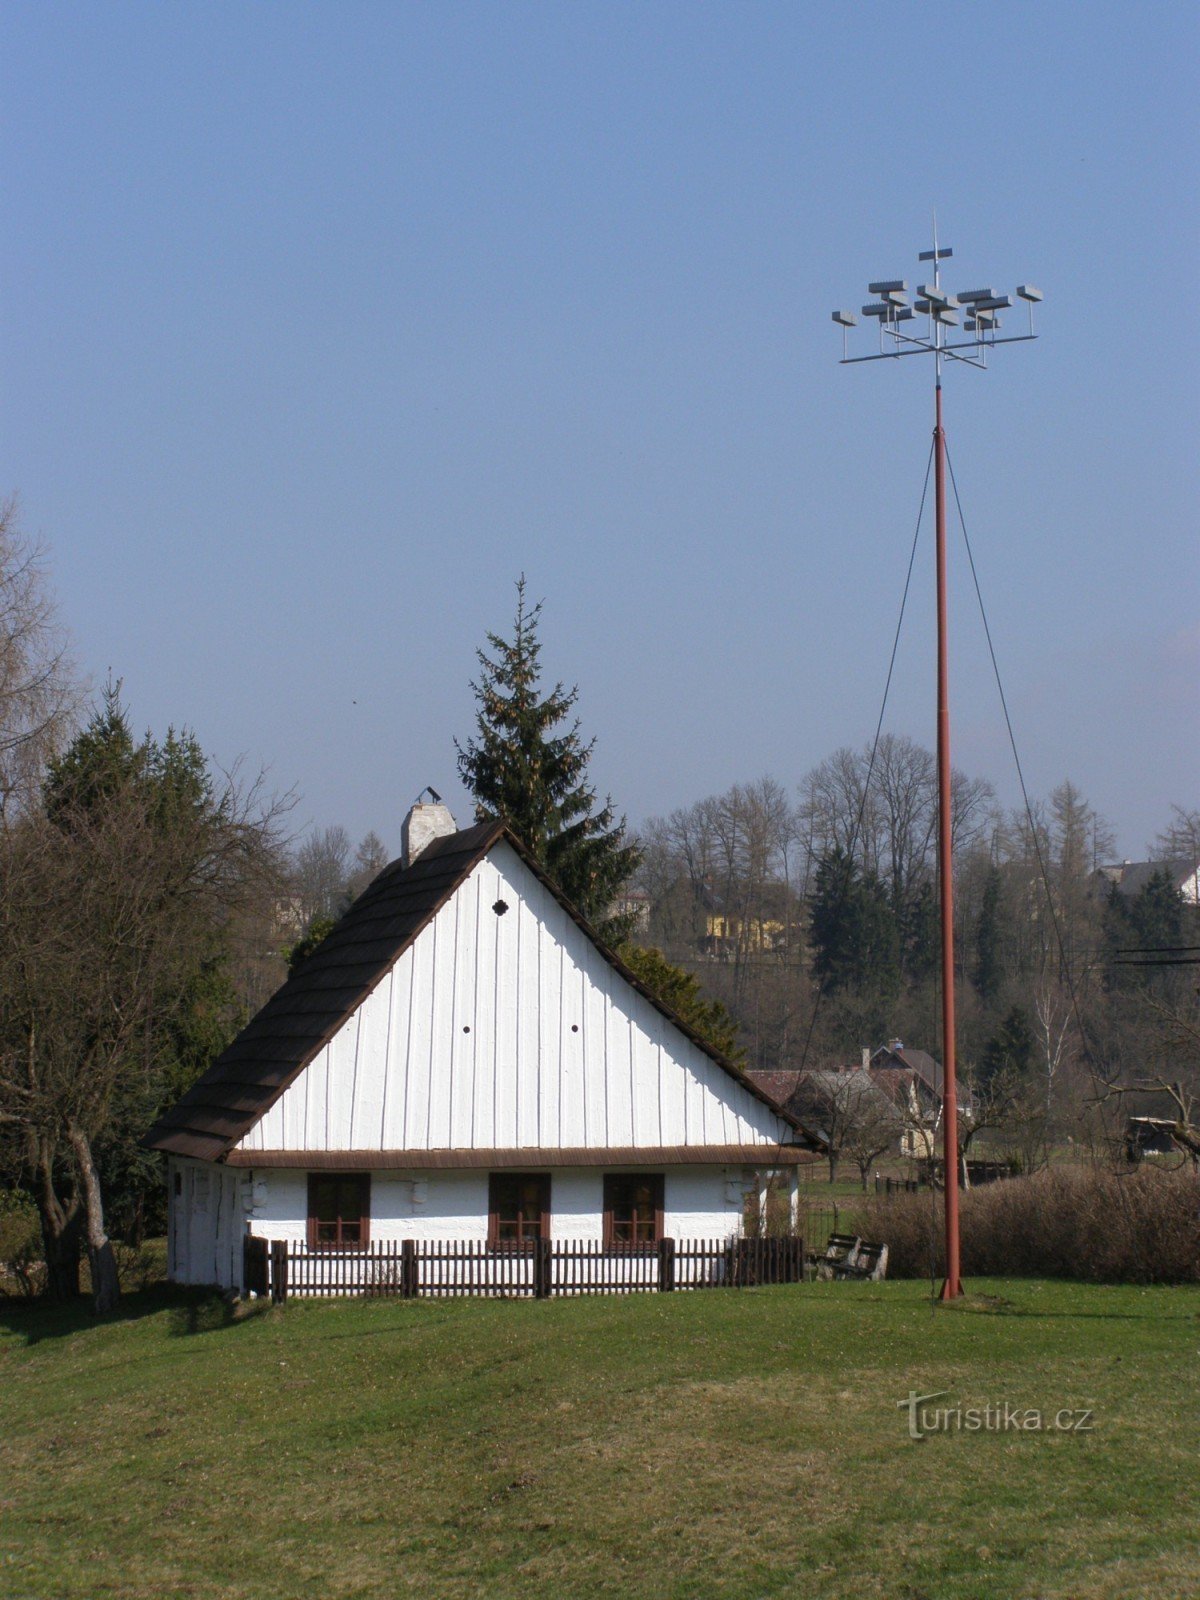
point(442, 1268)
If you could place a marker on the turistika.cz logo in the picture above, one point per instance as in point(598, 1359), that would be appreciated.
point(997, 1417)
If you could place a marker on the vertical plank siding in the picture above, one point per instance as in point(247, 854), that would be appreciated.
point(444, 1268)
point(497, 1030)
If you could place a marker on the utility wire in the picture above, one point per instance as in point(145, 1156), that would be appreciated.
point(1097, 1075)
point(862, 808)
point(1012, 739)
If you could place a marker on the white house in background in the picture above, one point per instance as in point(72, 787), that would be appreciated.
point(1131, 877)
point(461, 1059)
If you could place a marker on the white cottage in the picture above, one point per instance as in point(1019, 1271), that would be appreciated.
point(462, 1059)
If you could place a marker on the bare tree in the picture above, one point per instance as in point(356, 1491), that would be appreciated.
point(37, 692)
point(1180, 839)
point(853, 1115)
point(885, 813)
point(1168, 1086)
point(1054, 1018)
point(1007, 1105)
point(322, 873)
point(872, 1129)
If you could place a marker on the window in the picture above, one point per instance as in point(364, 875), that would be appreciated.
point(339, 1209)
point(518, 1209)
point(633, 1209)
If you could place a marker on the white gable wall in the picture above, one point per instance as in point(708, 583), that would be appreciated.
point(507, 1031)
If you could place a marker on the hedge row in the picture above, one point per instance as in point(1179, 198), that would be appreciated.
point(1139, 1226)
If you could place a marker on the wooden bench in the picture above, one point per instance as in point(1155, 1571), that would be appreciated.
point(848, 1256)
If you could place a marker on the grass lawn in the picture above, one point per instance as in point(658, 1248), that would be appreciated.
point(728, 1444)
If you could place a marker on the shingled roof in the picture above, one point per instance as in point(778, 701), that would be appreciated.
point(302, 1016)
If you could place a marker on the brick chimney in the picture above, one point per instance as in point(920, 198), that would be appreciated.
point(423, 824)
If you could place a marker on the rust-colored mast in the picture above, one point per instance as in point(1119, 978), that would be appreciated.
point(952, 1287)
point(892, 312)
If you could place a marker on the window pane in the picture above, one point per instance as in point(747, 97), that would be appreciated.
point(632, 1203)
point(517, 1203)
point(338, 1208)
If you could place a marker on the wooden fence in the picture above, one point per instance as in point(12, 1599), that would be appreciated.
point(891, 1186)
point(410, 1268)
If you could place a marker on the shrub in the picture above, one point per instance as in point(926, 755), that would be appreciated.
point(20, 1244)
point(1141, 1226)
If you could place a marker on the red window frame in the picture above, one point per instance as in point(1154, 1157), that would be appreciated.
point(509, 1225)
point(633, 1221)
point(349, 1227)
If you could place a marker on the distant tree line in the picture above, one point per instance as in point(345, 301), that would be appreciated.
point(150, 902)
point(813, 918)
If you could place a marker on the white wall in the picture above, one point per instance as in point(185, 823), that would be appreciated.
point(508, 1031)
point(699, 1203)
point(206, 1222)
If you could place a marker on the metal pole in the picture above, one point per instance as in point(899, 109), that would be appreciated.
point(952, 1287)
point(941, 311)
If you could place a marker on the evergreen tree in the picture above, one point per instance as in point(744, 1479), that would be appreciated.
point(1010, 1049)
point(856, 943)
point(529, 765)
point(987, 974)
point(922, 936)
point(121, 895)
point(681, 990)
point(1152, 919)
point(318, 931)
point(1156, 913)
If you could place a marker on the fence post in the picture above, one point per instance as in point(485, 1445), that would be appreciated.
point(254, 1265)
point(408, 1269)
point(666, 1265)
point(796, 1266)
point(279, 1271)
point(542, 1286)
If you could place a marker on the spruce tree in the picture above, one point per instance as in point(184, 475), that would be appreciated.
point(921, 936)
point(681, 990)
point(987, 973)
point(856, 943)
point(529, 765)
point(1010, 1049)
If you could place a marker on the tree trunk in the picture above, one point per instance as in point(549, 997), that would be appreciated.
point(106, 1287)
point(833, 1167)
point(60, 1232)
point(61, 1248)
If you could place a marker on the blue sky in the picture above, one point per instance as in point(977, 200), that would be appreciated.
point(322, 323)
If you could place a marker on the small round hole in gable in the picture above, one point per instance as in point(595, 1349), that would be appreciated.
point(500, 907)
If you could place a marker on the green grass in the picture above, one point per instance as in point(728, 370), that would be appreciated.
point(734, 1445)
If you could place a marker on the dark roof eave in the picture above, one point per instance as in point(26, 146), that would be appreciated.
point(529, 1157)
